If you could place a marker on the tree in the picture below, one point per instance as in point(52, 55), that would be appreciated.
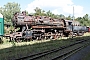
point(62, 16)
point(37, 11)
point(85, 17)
point(69, 17)
point(49, 13)
point(43, 13)
point(85, 21)
point(9, 9)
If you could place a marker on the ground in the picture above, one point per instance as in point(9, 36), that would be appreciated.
point(81, 55)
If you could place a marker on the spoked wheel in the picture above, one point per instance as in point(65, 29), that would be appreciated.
point(61, 35)
point(71, 34)
point(11, 39)
point(46, 37)
point(51, 37)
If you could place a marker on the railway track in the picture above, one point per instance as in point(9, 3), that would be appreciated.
point(66, 54)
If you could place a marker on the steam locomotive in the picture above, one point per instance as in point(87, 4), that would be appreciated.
point(42, 27)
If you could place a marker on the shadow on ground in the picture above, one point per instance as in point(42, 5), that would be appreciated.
point(24, 50)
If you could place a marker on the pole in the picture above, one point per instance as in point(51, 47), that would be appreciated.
point(73, 20)
point(73, 13)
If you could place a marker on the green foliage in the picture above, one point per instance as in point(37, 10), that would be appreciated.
point(38, 11)
point(11, 28)
point(9, 9)
point(85, 21)
point(13, 43)
point(69, 17)
point(62, 16)
point(41, 12)
point(5, 31)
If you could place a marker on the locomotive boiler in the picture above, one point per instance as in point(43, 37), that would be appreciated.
point(21, 19)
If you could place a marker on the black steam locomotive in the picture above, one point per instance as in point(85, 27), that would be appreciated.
point(42, 27)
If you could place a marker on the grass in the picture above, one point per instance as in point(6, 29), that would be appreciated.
point(8, 44)
point(87, 34)
point(11, 50)
point(18, 51)
point(26, 48)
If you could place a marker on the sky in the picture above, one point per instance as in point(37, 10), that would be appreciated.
point(65, 7)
